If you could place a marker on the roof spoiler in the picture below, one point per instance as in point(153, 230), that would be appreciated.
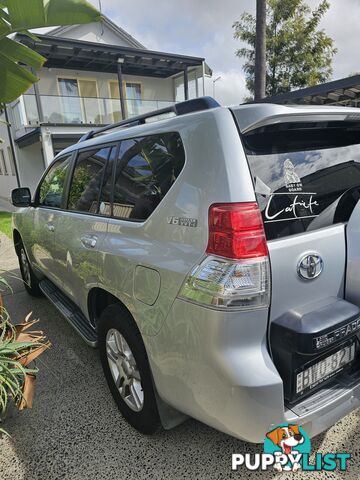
point(181, 108)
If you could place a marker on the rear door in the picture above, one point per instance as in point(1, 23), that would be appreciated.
point(82, 227)
point(307, 181)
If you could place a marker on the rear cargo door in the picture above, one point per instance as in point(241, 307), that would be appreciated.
point(305, 178)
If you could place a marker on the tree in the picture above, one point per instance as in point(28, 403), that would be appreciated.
point(260, 50)
point(298, 53)
point(17, 60)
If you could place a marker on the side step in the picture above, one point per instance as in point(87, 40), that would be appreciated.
point(70, 311)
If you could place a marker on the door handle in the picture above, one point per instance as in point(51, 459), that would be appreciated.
point(88, 241)
point(50, 227)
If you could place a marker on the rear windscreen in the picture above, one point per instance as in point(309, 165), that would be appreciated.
point(306, 175)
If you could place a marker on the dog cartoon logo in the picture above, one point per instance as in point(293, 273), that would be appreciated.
point(287, 441)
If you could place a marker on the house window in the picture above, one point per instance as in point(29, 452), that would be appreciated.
point(133, 94)
point(133, 98)
point(3, 167)
point(79, 100)
point(11, 161)
point(115, 108)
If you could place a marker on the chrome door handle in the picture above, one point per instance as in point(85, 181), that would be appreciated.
point(50, 227)
point(89, 241)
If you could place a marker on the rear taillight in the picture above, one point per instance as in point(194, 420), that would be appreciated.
point(235, 272)
point(236, 231)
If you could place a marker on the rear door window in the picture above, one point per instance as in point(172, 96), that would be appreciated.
point(87, 180)
point(306, 176)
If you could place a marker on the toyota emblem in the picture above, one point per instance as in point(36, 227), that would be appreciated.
point(310, 266)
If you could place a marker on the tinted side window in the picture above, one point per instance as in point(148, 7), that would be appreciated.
point(52, 186)
point(87, 179)
point(146, 169)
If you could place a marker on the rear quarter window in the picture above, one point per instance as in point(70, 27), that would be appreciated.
point(306, 176)
point(145, 170)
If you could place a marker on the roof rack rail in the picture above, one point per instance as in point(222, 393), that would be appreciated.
point(181, 108)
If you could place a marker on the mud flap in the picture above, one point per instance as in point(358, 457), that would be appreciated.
point(169, 416)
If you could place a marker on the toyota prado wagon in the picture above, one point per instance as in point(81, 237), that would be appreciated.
point(213, 256)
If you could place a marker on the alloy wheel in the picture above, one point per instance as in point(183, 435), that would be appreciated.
point(124, 370)
point(25, 267)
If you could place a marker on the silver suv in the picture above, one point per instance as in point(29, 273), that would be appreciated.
point(213, 256)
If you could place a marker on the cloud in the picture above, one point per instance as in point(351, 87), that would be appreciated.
point(189, 27)
point(230, 89)
point(342, 24)
point(204, 28)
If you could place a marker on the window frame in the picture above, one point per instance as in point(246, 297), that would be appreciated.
point(69, 175)
point(77, 78)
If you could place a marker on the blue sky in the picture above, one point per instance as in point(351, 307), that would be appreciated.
point(204, 28)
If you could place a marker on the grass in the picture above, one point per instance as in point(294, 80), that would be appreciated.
point(5, 223)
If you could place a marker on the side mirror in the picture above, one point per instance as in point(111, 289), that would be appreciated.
point(21, 197)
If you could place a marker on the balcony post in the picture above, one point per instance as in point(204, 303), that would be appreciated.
point(38, 100)
point(120, 61)
point(11, 142)
point(47, 146)
point(186, 84)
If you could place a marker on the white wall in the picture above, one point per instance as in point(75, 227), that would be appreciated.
point(96, 32)
point(31, 165)
point(152, 88)
point(7, 182)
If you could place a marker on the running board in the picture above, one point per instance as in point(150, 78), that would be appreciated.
point(70, 311)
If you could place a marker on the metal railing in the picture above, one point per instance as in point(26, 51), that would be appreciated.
point(78, 110)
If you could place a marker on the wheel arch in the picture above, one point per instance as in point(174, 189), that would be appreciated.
point(99, 299)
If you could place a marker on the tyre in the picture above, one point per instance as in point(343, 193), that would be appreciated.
point(31, 283)
point(126, 367)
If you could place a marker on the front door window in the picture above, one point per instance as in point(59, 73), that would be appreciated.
point(51, 189)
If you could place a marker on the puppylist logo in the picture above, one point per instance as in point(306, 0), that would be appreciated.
point(287, 447)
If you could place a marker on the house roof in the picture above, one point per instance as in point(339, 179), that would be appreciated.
point(345, 91)
point(99, 57)
point(60, 31)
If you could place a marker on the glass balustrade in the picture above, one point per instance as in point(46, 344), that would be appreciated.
point(78, 110)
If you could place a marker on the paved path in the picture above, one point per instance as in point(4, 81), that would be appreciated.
point(75, 432)
point(5, 206)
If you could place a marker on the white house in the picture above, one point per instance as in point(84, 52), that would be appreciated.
point(95, 74)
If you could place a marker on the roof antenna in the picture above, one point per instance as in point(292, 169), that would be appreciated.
point(101, 23)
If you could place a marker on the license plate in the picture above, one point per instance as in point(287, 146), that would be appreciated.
point(323, 370)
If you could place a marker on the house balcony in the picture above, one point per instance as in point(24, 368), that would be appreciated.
point(29, 112)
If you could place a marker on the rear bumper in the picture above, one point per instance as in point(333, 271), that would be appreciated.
point(327, 406)
point(215, 367)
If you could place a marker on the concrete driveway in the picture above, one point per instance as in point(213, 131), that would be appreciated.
point(75, 431)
